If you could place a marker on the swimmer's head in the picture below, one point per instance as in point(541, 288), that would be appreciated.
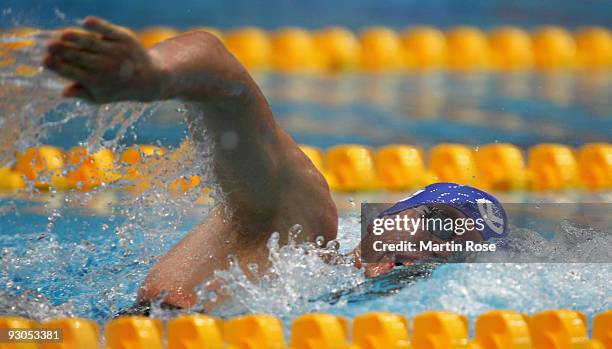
point(436, 202)
point(473, 203)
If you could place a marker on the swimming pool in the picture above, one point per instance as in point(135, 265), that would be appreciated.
point(88, 263)
point(85, 253)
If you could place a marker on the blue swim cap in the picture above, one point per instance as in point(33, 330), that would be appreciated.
point(473, 203)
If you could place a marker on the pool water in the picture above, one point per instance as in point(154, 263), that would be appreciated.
point(88, 263)
point(85, 254)
point(273, 14)
point(423, 109)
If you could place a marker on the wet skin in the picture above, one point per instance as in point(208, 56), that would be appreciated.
point(267, 182)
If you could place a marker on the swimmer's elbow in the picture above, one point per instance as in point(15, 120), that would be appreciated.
point(328, 222)
point(204, 71)
point(160, 283)
point(153, 284)
point(148, 290)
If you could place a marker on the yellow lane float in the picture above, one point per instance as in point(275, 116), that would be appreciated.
point(339, 48)
point(510, 49)
point(17, 38)
point(42, 165)
point(251, 46)
point(553, 48)
point(423, 47)
point(27, 70)
point(380, 330)
point(134, 332)
point(560, 329)
point(453, 163)
point(349, 167)
point(595, 162)
point(321, 331)
point(137, 162)
point(468, 49)
point(440, 330)
point(378, 49)
point(10, 180)
point(496, 329)
point(254, 332)
point(185, 183)
point(352, 167)
point(137, 154)
point(91, 170)
point(17, 323)
point(314, 154)
point(195, 331)
point(294, 50)
point(316, 157)
point(602, 329)
point(594, 48)
point(76, 333)
point(381, 49)
point(552, 167)
point(501, 167)
point(501, 329)
point(401, 167)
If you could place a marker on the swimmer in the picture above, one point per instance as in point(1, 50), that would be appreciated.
point(438, 201)
point(268, 183)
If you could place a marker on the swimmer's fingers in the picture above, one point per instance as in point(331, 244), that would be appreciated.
point(87, 41)
point(66, 69)
point(108, 30)
point(78, 57)
point(76, 90)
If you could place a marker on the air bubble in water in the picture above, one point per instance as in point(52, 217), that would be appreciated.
point(253, 268)
point(294, 233)
point(333, 245)
point(352, 202)
point(212, 296)
point(319, 241)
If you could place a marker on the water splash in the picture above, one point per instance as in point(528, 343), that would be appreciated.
point(31, 105)
point(96, 279)
point(108, 239)
point(526, 287)
point(297, 276)
point(298, 281)
point(33, 305)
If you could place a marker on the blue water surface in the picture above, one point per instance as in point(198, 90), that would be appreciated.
point(272, 14)
point(421, 109)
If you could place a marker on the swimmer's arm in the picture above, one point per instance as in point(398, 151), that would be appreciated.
point(108, 64)
point(248, 147)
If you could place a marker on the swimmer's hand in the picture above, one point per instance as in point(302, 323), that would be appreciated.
point(105, 62)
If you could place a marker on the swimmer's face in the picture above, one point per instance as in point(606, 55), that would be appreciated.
point(436, 234)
